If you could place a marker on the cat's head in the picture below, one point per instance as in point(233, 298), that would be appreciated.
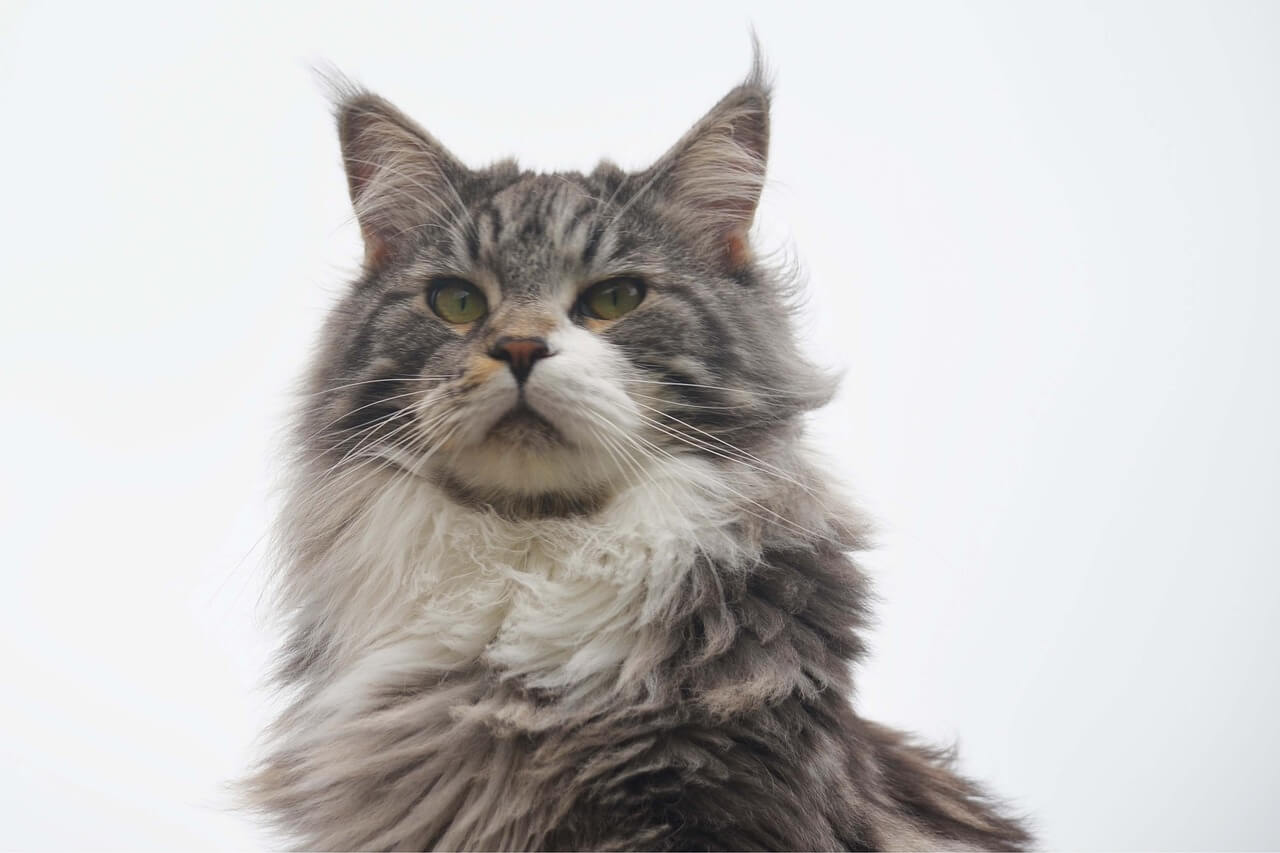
point(533, 342)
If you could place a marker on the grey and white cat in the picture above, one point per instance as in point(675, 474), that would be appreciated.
point(558, 569)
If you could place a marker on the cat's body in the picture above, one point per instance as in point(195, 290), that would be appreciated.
point(561, 573)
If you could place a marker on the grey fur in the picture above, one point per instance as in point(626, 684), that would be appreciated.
point(727, 722)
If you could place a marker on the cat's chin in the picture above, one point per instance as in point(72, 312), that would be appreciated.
point(525, 505)
point(525, 468)
point(523, 429)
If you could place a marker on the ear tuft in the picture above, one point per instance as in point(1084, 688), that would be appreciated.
point(714, 175)
point(401, 180)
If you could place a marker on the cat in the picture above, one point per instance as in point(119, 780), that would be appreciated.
point(558, 570)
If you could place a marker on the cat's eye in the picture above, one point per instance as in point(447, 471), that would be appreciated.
point(456, 300)
point(611, 298)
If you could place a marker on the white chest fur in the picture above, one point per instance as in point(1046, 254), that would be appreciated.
point(419, 583)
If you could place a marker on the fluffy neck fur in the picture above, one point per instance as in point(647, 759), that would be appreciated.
point(412, 581)
point(395, 578)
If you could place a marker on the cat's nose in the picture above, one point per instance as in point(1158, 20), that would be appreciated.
point(520, 354)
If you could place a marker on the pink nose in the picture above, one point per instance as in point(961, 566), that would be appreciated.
point(520, 354)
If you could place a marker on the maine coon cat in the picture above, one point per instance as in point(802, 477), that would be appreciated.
point(558, 570)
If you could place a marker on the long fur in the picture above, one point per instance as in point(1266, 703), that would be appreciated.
point(626, 618)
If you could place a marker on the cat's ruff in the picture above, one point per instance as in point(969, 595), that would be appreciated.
point(419, 583)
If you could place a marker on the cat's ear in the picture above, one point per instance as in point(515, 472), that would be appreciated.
point(712, 178)
point(400, 178)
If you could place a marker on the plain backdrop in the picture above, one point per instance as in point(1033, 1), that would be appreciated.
point(1041, 241)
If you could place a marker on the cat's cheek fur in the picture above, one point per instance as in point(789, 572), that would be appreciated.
point(479, 409)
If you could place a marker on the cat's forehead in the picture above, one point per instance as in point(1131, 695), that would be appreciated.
point(539, 224)
point(542, 209)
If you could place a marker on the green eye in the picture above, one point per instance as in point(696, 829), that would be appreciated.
point(456, 301)
point(612, 298)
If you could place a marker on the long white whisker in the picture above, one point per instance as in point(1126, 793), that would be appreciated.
point(766, 467)
point(772, 513)
point(685, 405)
point(337, 388)
point(761, 391)
point(642, 474)
point(386, 462)
point(377, 402)
point(714, 451)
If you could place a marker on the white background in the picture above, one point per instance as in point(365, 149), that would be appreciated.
point(1042, 241)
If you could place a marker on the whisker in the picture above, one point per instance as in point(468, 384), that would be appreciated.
point(767, 467)
point(759, 391)
point(772, 513)
point(369, 439)
point(642, 474)
point(345, 415)
point(385, 463)
point(337, 388)
point(714, 451)
point(685, 405)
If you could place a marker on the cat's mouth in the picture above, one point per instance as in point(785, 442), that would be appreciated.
point(523, 426)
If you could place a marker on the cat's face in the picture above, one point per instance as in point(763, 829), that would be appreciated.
point(533, 342)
